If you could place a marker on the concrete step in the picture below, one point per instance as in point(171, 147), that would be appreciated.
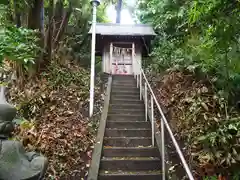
point(130, 175)
point(125, 117)
point(115, 100)
point(127, 141)
point(125, 80)
point(124, 88)
point(130, 152)
point(130, 164)
point(127, 92)
point(128, 133)
point(130, 88)
point(122, 76)
point(131, 82)
point(137, 111)
point(125, 105)
point(119, 109)
point(125, 85)
point(127, 124)
point(126, 96)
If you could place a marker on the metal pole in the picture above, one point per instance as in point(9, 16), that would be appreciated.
point(137, 81)
point(94, 4)
point(163, 150)
point(146, 101)
point(152, 113)
point(140, 84)
point(133, 60)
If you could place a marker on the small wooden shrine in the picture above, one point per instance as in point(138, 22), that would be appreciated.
point(122, 46)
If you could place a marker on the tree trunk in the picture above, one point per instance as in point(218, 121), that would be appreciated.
point(42, 19)
point(17, 14)
point(9, 14)
point(59, 14)
point(63, 25)
point(119, 9)
point(34, 17)
point(50, 30)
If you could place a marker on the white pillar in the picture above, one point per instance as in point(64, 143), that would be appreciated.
point(95, 3)
point(111, 70)
point(133, 59)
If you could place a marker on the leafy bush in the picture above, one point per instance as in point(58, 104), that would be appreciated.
point(18, 45)
point(202, 36)
point(221, 145)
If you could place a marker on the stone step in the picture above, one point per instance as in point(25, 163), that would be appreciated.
point(127, 124)
point(124, 110)
point(127, 101)
point(125, 81)
point(130, 88)
point(123, 76)
point(118, 109)
point(118, 92)
point(125, 117)
point(126, 96)
point(137, 111)
point(124, 88)
point(127, 141)
point(130, 83)
point(115, 76)
point(125, 105)
point(130, 164)
point(130, 152)
point(130, 175)
point(128, 133)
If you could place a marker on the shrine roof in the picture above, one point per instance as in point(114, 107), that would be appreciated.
point(111, 29)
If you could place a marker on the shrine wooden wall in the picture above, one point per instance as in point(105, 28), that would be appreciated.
point(106, 64)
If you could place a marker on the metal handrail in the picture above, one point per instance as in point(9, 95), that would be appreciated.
point(164, 123)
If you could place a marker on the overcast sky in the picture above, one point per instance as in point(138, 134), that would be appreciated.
point(126, 17)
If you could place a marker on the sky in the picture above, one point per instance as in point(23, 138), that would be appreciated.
point(126, 17)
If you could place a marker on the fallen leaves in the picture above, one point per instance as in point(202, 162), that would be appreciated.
point(192, 108)
point(57, 106)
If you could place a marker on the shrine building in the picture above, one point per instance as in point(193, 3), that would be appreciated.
point(122, 46)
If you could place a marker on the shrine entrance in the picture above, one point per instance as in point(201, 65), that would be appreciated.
point(122, 58)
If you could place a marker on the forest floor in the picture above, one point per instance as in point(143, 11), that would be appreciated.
point(53, 119)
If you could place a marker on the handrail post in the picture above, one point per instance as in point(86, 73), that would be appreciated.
point(140, 84)
point(146, 101)
point(163, 149)
point(137, 81)
point(152, 113)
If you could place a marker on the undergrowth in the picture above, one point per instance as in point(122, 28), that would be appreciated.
point(53, 118)
point(201, 118)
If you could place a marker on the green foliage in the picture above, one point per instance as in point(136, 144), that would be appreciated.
point(200, 35)
point(211, 178)
point(4, 2)
point(221, 145)
point(63, 76)
point(3, 14)
point(19, 44)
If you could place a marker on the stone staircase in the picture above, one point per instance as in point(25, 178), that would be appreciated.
point(127, 152)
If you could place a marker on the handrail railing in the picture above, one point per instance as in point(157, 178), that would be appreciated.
point(147, 87)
